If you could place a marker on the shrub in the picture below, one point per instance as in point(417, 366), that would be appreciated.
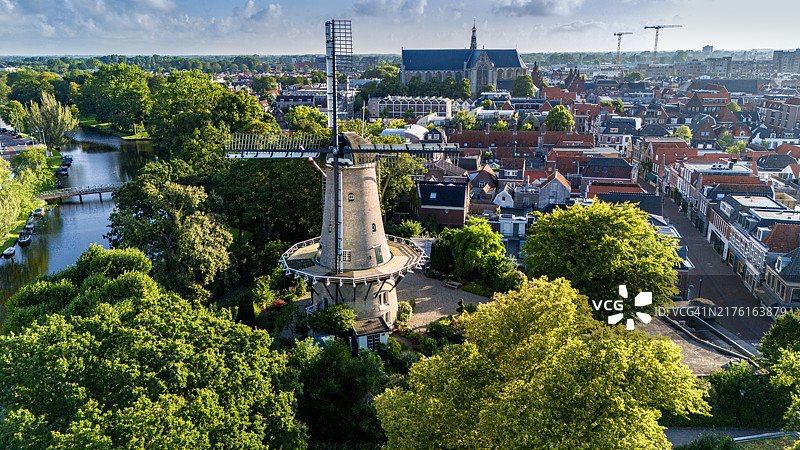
point(404, 312)
point(336, 319)
point(445, 330)
point(710, 442)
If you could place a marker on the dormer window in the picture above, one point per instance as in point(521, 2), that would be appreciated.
point(351, 197)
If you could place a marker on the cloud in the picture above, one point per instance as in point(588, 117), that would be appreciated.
point(409, 8)
point(578, 26)
point(536, 7)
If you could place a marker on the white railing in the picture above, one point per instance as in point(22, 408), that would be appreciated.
point(314, 278)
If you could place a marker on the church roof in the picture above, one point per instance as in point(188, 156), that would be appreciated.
point(452, 59)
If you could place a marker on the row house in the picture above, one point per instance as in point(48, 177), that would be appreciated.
point(712, 188)
point(607, 171)
point(696, 173)
point(447, 203)
point(707, 102)
point(503, 144)
point(617, 133)
point(737, 226)
point(779, 113)
point(782, 275)
point(584, 115)
point(646, 147)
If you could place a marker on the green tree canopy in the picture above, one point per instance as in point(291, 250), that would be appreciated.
point(336, 319)
point(335, 401)
point(531, 375)
point(13, 113)
point(52, 118)
point(633, 77)
point(381, 72)
point(600, 247)
point(733, 106)
point(169, 223)
point(114, 361)
point(464, 118)
point(117, 93)
point(559, 119)
point(523, 86)
point(684, 133)
point(725, 140)
point(472, 244)
point(501, 125)
point(262, 85)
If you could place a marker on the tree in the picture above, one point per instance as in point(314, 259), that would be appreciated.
point(684, 133)
point(306, 119)
point(633, 77)
point(464, 118)
point(501, 125)
point(487, 104)
point(619, 107)
point(624, 249)
point(183, 104)
point(169, 223)
point(115, 361)
point(463, 89)
point(523, 86)
point(10, 198)
point(117, 93)
point(559, 119)
point(396, 124)
point(336, 319)
point(409, 114)
point(733, 106)
point(318, 77)
point(489, 88)
point(783, 336)
point(52, 118)
point(725, 140)
point(471, 245)
point(337, 388)
point(13, 113)
point(263, 85)
point(532, 373)
point(380, 72)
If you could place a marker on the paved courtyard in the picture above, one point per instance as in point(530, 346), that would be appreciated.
point(434, 300)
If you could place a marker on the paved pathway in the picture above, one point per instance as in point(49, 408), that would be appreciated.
point(683, 435)
point(433, 299)
point(720, 284)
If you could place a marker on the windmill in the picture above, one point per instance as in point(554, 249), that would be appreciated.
point(658, 28)
point(619, 35)
point(353, 261)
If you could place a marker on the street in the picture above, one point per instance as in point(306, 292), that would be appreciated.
point(720, 284)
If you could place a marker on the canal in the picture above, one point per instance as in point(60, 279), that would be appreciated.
point(67, 230)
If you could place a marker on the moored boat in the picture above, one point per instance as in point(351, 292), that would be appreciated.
point(9, 252)
point(24, 239)
point(38, 212)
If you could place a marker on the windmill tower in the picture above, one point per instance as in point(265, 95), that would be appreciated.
point(353, 262)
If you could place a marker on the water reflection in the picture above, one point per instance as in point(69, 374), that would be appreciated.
point(69, 229)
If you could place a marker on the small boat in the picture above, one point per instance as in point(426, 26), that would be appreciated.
point(9, 252)
point(38, 212)
point(24, 239)
point(28, 226)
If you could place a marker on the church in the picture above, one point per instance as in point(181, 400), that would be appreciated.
point(482, 67)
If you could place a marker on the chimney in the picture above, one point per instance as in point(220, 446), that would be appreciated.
point(460, 127)
point(487, 128)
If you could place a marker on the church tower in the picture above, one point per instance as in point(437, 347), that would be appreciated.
point(473, 44)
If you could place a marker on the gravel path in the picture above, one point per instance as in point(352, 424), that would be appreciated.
point(433, 299)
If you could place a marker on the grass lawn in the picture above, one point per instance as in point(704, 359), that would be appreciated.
point(90, 121)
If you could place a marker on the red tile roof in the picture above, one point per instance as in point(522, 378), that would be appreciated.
point(783, 238)
point(595, 189)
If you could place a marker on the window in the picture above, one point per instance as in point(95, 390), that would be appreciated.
point(374, 228)
point(378, 255)
point(330, 228)
point(481, 184)
point(383, 298)
point(351, 197)
point(347, 256)
point(433, 194)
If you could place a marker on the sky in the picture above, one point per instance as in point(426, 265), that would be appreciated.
point(234, 27)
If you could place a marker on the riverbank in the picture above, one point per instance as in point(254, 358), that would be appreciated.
point(90, 121)
point(10, 238)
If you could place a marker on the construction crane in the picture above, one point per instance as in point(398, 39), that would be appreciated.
point(619, 35)
point(658, 28)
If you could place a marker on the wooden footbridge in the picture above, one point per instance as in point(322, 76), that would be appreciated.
point(99, 189)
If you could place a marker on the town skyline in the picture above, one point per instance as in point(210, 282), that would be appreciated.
point(180, 27)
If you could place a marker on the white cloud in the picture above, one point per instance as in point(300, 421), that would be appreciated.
point(537, 7)
point(578, 26)
point(406, 8)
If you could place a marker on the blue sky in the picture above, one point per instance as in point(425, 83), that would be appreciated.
point(183, 27)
